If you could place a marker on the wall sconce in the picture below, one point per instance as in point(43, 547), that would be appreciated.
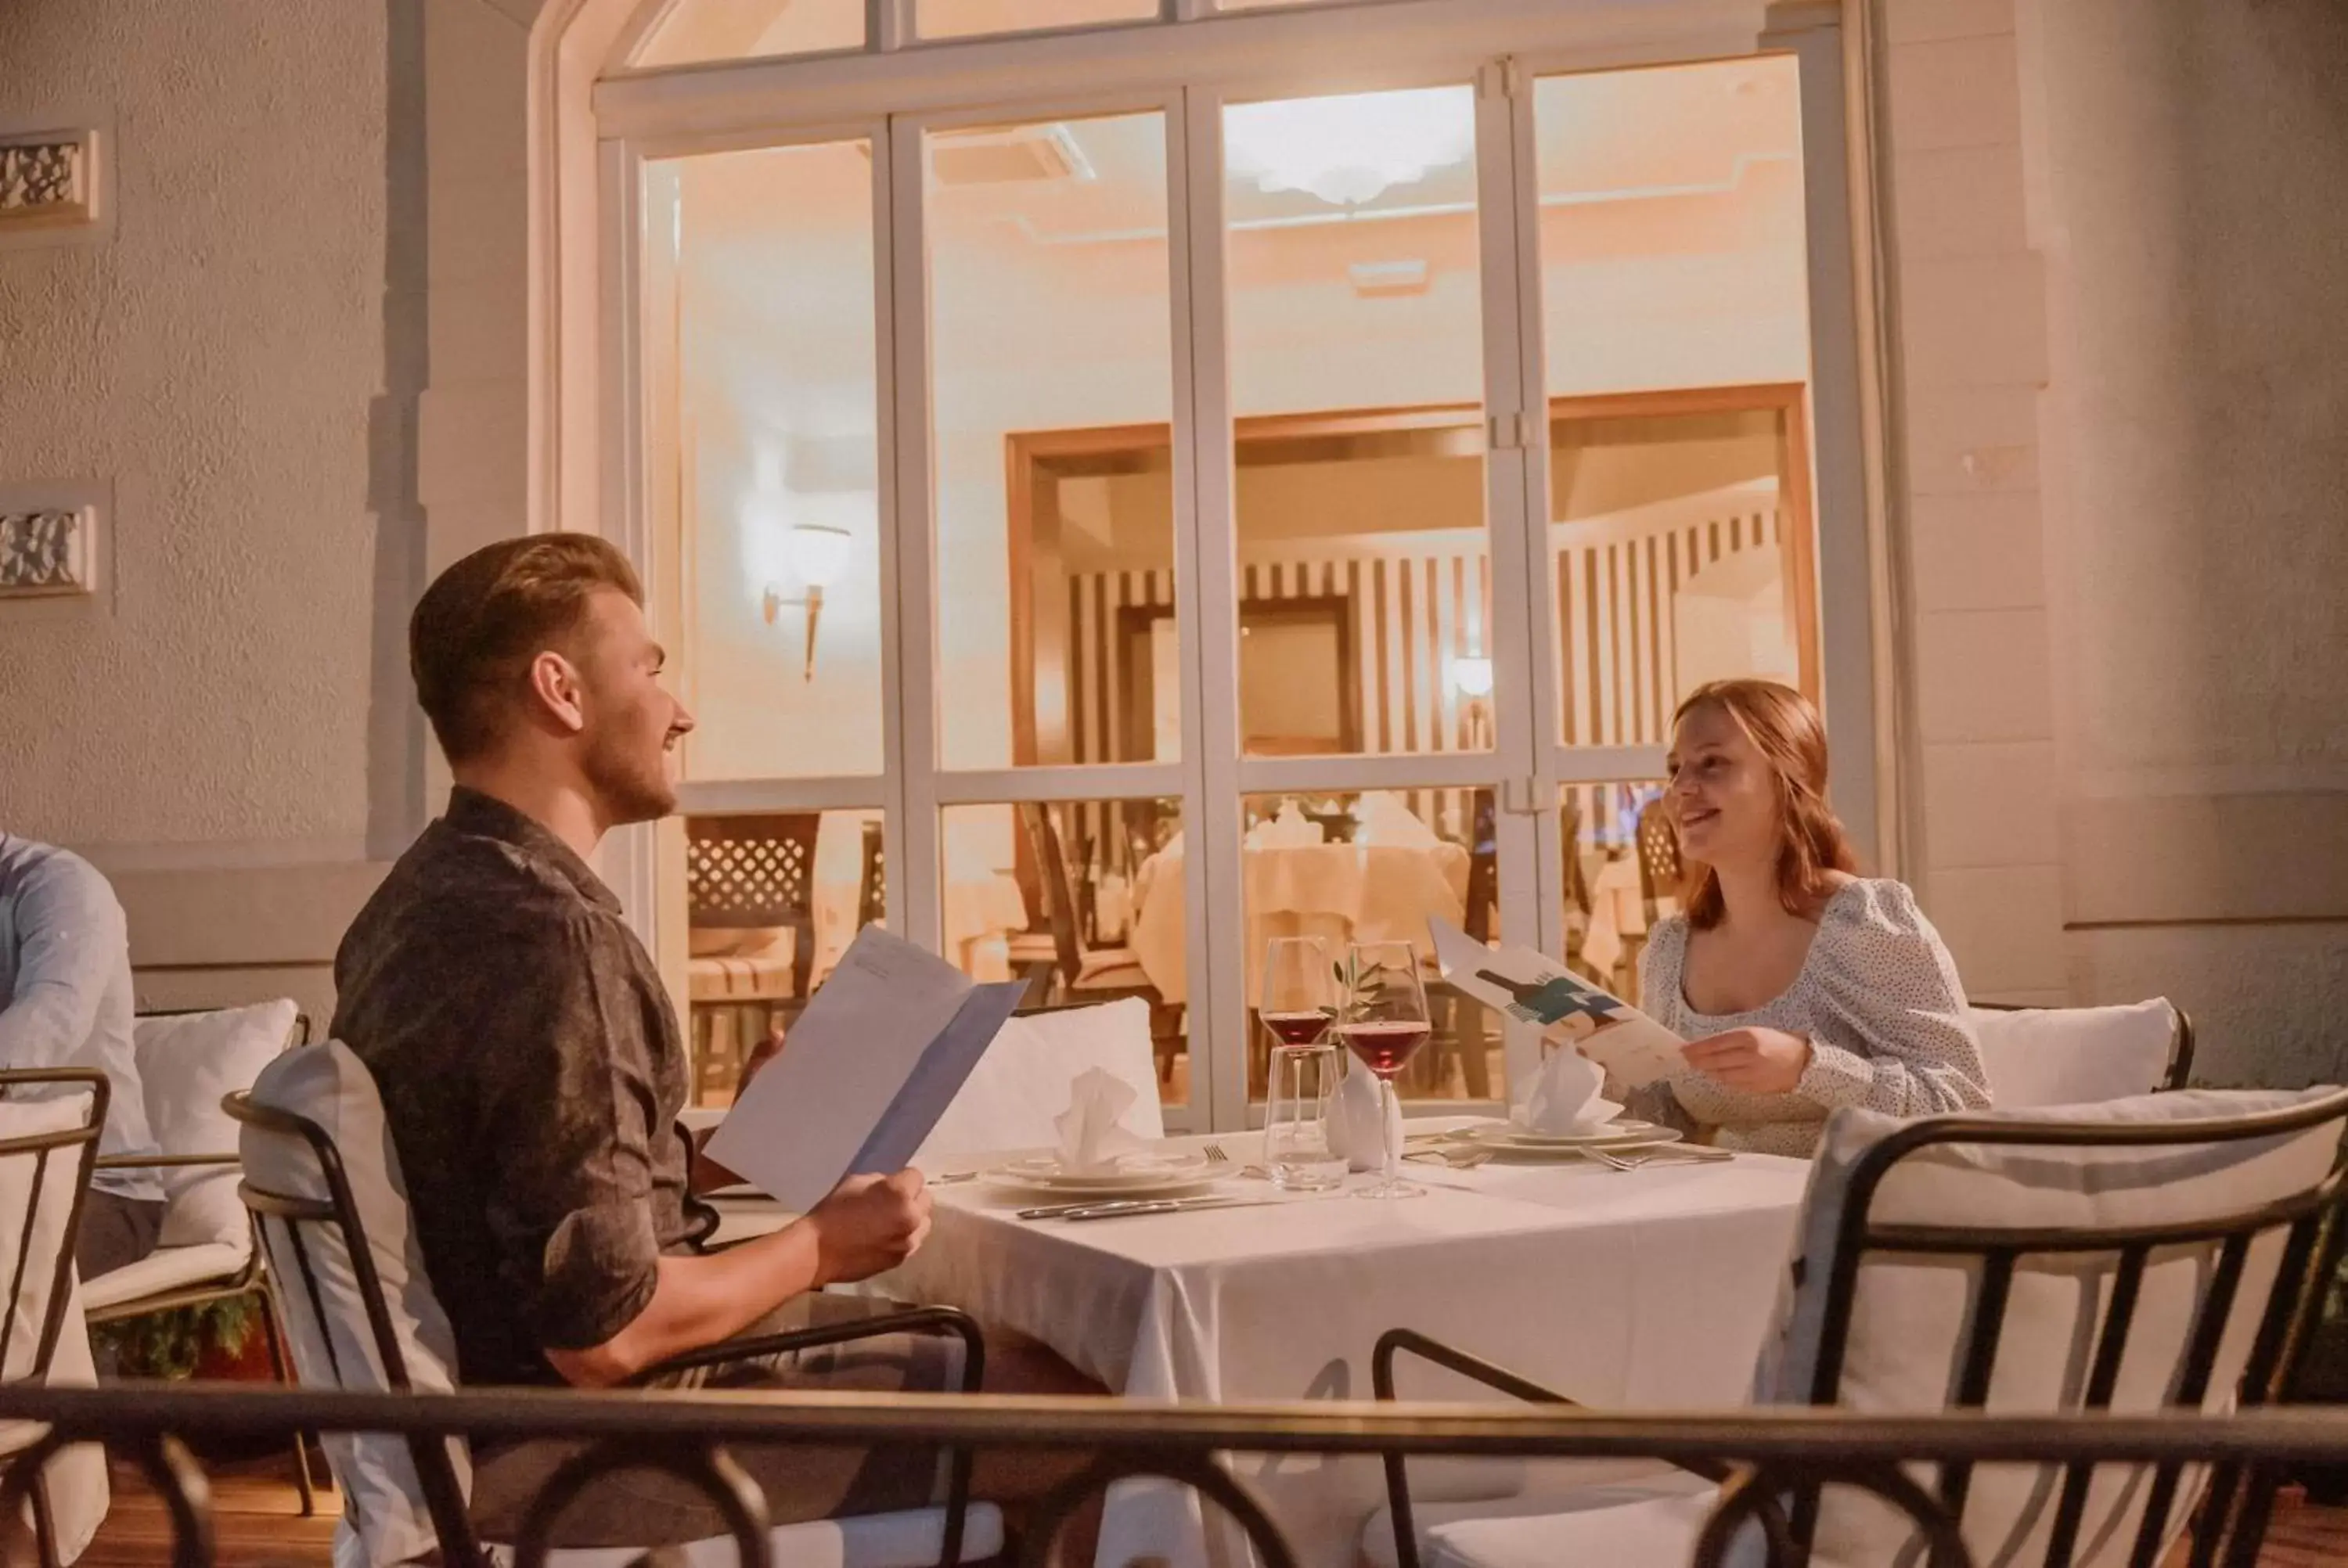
point(1471, 674)
point(819, 555)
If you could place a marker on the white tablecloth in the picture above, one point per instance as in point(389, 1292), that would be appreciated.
point(982, 906)
point(1339, 892)
point(1639, 1290)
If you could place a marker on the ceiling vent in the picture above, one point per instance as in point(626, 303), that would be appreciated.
point(1020, 155)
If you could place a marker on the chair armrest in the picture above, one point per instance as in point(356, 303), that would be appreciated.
point(944, 1320)
point(162, 1161)
point(1396, 1342)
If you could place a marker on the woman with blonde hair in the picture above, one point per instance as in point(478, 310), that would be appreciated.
point(1799, 984)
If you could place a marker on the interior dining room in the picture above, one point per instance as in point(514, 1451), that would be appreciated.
point(1678, 545)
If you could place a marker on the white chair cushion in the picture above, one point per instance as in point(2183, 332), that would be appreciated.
point(1643, 1525)
point(1909, 1316)
point(2074, 1056)
point(185, 1066)
point(384, 1516)
point(77, 1478)
point(912, 1539)
point(165, 1268)
point(1021, 1082)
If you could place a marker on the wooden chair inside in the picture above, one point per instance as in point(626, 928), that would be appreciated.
point(872, 882)
point(1460, 1020)
point(747, 873)
point(1660, 869)
point(1079, 975)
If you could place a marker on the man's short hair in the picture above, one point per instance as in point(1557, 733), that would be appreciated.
point(481, 622)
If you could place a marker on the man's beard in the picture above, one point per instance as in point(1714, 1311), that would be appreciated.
point(634, 787)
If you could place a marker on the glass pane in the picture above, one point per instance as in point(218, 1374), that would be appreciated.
point(1374, 866)
point(1051, 344)
point(1356, 369)
point(1613, 893)
point(772, 900)
point(1084, 900)
point(963, 18)
point(699, 30)
point(1676, 306)
point(777, 467)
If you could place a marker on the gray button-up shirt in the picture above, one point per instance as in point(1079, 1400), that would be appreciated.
point(65, 991)
point(531, 1071)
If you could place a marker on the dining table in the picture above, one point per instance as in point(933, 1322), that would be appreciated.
point(1644, 1289)
point(981, 905)
point(1340, 892)
point(1618, 911)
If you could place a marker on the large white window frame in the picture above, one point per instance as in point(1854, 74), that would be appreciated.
point(1185, 72)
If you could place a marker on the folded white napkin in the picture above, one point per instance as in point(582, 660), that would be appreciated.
point(1385, 820)
point(1093, 1142)
point(1564, 1095)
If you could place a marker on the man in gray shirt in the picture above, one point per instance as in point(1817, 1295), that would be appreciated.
point(65, 1001)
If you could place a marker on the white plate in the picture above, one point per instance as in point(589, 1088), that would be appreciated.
point(1507, 1135)
point(1149, 1176)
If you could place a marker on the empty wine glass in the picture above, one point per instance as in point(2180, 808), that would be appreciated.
point(1382, 1020)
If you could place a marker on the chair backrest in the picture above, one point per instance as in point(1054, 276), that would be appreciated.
point(872, 882)
point(1059, 891)
point(323, 1180)
point(1577, 879)
point(1021, 1082)
point(49, 1127)
point(2134, 1256)
point(1659, 860)
point(2072, 1056)
point(1483, 871)
point(751, 871)
point(187, 1062)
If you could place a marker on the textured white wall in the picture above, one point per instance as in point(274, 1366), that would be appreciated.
point(2189, 177)
point(230, 362)
point(216, 362)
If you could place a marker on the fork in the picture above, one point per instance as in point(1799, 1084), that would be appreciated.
point(1215, 1155)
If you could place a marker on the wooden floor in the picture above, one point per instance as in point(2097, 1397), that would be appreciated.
point(258, 1521)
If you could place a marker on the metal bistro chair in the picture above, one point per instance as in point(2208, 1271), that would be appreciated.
point(40, 1276)
point(174, 1287)
point(2166, 1252)
point(2070, 1056)
point(320, 1238)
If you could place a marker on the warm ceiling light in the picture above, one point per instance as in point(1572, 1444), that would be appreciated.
point(1350, 150)
point(1473, 675)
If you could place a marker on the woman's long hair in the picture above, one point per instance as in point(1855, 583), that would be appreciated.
point(1785, 729)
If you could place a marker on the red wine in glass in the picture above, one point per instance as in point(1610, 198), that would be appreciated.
point(1384, 1045)
point(1299, 1028)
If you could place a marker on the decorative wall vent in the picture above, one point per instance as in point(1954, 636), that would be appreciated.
point(46, 552)
point(48, 180)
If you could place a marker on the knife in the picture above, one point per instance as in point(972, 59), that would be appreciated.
point(1163, 1206)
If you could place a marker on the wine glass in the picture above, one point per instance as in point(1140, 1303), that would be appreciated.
point(1297, 1002)
point(1382, 1020)
point(1298, 996)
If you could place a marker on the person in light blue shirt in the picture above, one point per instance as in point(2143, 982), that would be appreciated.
point(65, 1001)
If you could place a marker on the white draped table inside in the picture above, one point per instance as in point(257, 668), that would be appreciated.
point(1617, 909)
point(1339, 892)
point(1643, 1290)
point(981, 905)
